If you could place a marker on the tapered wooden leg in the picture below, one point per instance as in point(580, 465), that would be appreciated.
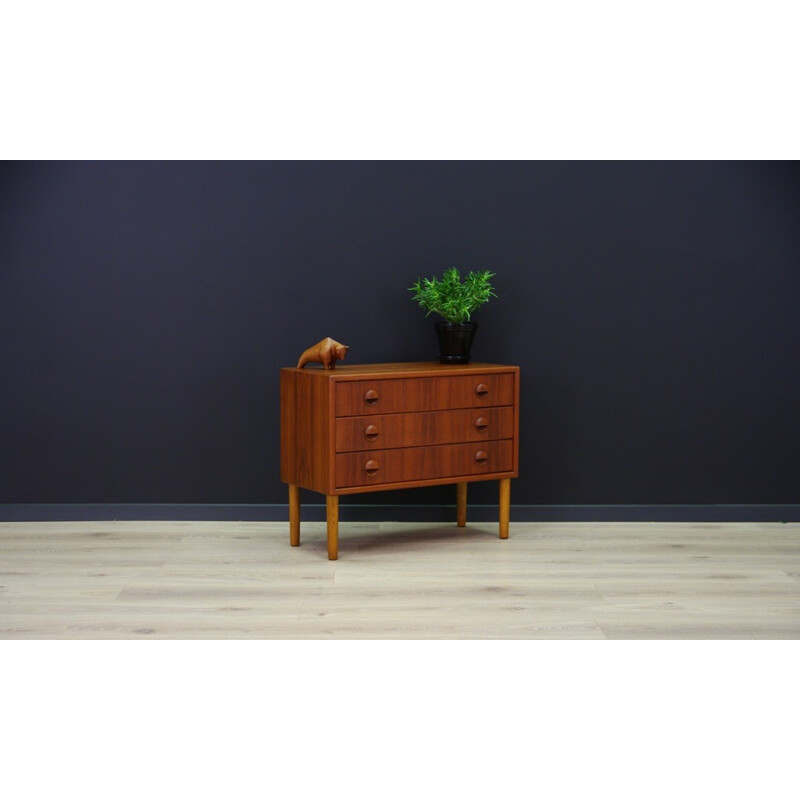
point(332, 513)
point(294, 515)
point(461, 504)
point(505, 506)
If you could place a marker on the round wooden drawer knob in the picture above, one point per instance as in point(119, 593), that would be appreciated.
point(370, 397)
point(481, 390)
point(481, 424)
point(371, 467)
point(371, 433)
point(481, 457)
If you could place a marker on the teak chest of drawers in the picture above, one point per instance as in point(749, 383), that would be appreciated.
point(363, 428)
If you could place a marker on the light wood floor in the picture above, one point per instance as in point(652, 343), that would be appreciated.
point(242, 580)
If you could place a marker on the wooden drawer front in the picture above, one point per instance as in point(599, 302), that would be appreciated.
point(382, 431)
point(389, 396)
point(422, 463)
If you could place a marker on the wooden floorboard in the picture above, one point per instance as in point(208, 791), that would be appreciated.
point(242, 580)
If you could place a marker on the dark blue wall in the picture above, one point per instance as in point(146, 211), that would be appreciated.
point(145, 309)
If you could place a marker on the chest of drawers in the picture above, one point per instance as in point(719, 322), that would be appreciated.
point(364, 428)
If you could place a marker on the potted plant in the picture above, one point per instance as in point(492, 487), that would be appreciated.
point(454, 301)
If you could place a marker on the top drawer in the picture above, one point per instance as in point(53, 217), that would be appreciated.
point(390, 395)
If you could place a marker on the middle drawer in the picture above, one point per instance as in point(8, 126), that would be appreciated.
point(380, 431)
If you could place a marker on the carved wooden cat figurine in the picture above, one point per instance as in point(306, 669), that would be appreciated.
point(326, 352)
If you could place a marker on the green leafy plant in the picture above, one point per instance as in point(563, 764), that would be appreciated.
point(450, 298)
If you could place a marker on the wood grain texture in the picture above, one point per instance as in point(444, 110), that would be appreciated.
point(381, 431)
point(399, 425)
point(409, 464)
point(388, 396)
point(505, 506)
point(408, 369)
point(239, 580)
point(332, 523)
point(461, 504)
point(306, 430)
point(379, 487)
point(294, 515)
point(515, 467)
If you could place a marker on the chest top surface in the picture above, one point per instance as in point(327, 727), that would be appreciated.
point(400, 369)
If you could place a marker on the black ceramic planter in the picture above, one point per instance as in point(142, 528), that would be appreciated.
point(455, 341)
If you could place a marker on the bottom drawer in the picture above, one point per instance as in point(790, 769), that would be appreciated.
point(422, 463)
